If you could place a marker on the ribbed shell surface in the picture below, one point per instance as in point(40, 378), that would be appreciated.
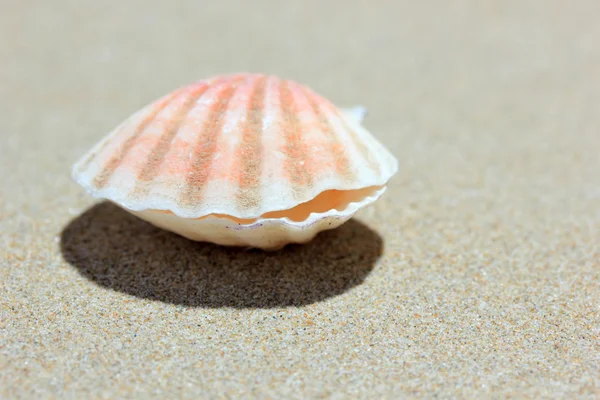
point(240, 145)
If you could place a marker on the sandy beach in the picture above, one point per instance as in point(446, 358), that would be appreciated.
point(476, 275)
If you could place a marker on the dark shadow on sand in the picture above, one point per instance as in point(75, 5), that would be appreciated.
point(119, 251)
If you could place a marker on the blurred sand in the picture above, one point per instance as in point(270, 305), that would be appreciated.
point(476, 275)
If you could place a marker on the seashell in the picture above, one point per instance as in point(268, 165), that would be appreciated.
point(242, 160)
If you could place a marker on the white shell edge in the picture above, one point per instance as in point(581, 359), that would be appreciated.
point(266, 234)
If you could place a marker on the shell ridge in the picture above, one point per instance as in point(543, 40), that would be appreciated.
point(223, 181)
point(83, 164)
point(249, 153)
point(165, 190)
point(341, 159)
point(361, 171)
point(365, 151)
point(386, 162)
point(201, 165)
point(274, 186)
point(101, 179)
point(158, 153)
point(295, 162)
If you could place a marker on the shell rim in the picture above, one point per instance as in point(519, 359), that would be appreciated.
point(312, 218)
point(145, 206)
point(350, 209)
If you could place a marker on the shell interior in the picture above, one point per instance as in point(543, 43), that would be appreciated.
point(328, 200)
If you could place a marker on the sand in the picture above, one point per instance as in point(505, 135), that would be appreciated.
point(477, 275)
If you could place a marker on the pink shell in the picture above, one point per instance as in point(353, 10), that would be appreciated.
point(240, 145)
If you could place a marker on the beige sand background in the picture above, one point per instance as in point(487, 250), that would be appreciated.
point(477, 275)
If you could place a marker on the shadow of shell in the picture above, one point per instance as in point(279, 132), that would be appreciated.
point(121, 252)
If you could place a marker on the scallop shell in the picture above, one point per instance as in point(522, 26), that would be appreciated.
point(243, 159)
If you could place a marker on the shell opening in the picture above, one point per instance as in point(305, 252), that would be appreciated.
point(325, 201)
